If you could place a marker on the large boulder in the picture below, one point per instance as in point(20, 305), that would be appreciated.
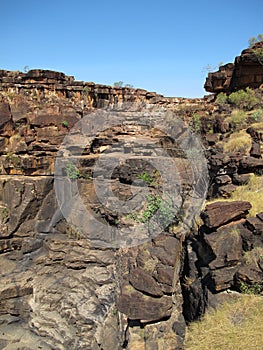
point(220, 213)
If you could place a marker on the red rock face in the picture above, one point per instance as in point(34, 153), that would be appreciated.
point(246, 71)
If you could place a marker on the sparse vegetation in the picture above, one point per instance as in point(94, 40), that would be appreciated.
point(254, 289)
point(237, 119)
point(64, 124)
point(121, 84)
point(196, 122)
point(243, 99)
point(258, 51)
point(257, 115)
point(118, 83)
point(254, 256)
point(162, 208)
point(238, 142)
point(4, 214)
point(14, 159)
point(86, 90)
point(221, 99)
point(235, 325)
point(149, 180)
point(72, 171)
point(251, 192)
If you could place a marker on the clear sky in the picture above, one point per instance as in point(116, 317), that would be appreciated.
point(161, 46)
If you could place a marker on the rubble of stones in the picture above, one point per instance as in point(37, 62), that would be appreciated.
point(60, 292)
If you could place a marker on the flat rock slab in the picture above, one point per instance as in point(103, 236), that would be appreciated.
point(144, 282)
point(138, 306)
point(220, 213)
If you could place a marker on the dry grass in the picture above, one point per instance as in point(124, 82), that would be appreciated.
point(236, 325)
point(238, 142)
point(237, 119)
point(253, 256)
point(251, 192)
point(258, 126)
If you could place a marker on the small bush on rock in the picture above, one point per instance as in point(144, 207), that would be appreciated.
point(221, 99)
point(244, 99)
point(237, 119)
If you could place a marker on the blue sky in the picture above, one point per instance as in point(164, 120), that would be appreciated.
point(160, 46)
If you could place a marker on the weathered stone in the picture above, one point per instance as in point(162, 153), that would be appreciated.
point(144, 282)
point(195, 300)
point(251, 164)
point(249, 275)
point(164, 274)
point(138, 306)
point(220, 213)
point(241, 179)
point(255, 225)
point(15, 291)
point(7, 245)
point(223, 179)
point(223, 279)
point(226, 244)
point(5, 115)
point(75, 285)
point(219, 81)
point(248, 239)
point(247, 71)
point(260, 216)
point(226, 190)
point(167, 249)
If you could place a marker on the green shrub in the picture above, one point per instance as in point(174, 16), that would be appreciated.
point(118, 83)
point(64, 124)
point(162, 208)
point(257, 116)
point(256, 288)
point(221, 99)
point(4, 214)
point(237, 119)
point(196, 122)
point(72, 171)
point(243, 99)
point(148, 179)
point(86, 90)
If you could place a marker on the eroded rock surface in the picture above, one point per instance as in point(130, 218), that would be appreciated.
point(66, 288)
point(246, 71)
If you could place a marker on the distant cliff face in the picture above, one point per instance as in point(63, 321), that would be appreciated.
point(246, 71)
point(44, 84)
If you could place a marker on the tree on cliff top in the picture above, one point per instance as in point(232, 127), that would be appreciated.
point(258, 51)
point(253, 40)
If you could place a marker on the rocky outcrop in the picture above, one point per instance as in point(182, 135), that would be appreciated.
point(226, 258)
point(247, 71)
point(64, 287)
point(59, 288)
point(220, 213)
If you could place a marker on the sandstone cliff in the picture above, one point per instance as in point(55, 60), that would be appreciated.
point(246, 71)
point(67, 284)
